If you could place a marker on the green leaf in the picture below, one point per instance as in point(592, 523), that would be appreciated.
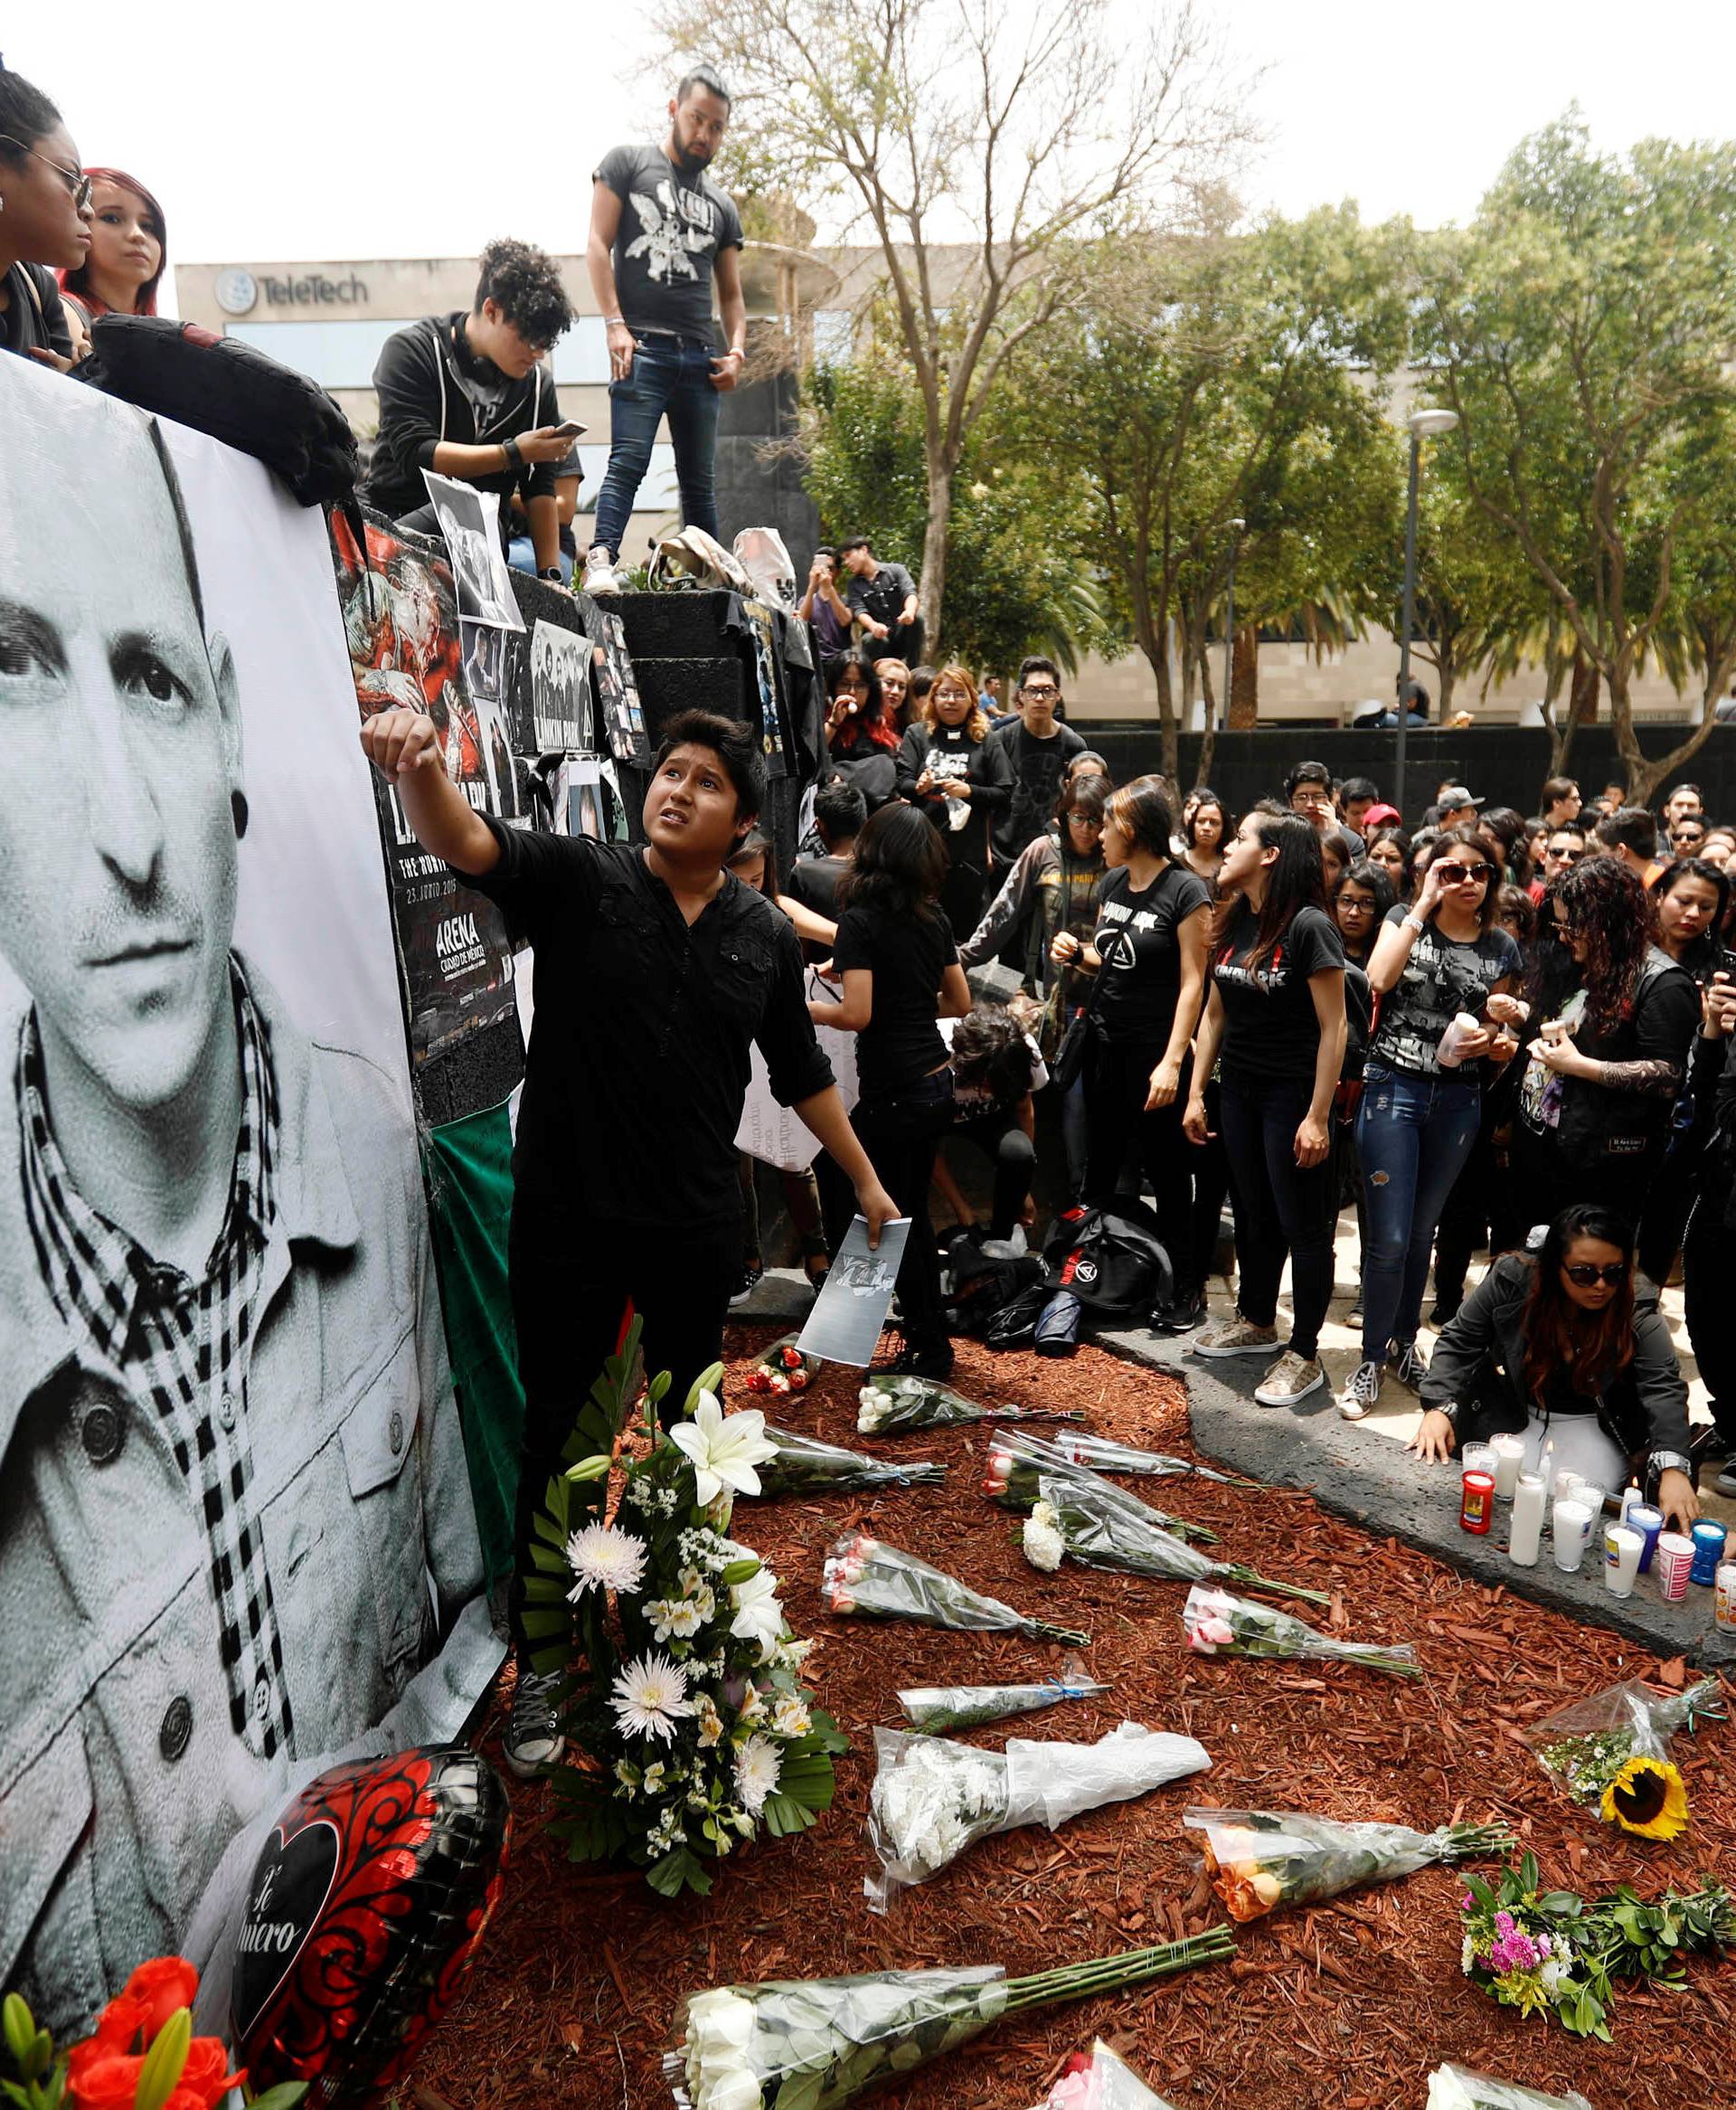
point(14, 2094)
point(544, 1625)
point(549, 1533)
point(549, 1562)
point(284, 2097)
point(163, 2062)
point(739, 1572)
point(20, 2026)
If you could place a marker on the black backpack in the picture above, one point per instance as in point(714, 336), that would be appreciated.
point(1112, 1260)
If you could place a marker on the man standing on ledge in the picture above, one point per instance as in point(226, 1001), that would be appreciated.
point(660, 230)
point(656, 969)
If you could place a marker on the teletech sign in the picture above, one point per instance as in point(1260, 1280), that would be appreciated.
point(238, 290)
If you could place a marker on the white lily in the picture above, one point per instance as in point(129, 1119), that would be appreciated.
point(759, 1615)
point(724, 1448)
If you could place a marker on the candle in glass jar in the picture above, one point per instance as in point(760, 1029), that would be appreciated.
point(1509, 1455)
point(1530, 1495)
point(1573, 1519)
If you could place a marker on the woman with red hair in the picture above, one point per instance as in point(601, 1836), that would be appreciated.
point(128, 249)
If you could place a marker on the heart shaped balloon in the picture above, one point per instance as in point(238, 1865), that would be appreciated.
point(367, 1904)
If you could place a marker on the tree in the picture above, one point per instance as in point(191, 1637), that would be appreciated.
point(1581, 331)
point(1027, 133)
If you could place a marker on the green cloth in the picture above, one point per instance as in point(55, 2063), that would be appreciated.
point(468, 1172)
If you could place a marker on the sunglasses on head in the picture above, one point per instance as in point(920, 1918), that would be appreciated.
point(1454, 873)
point(1583, 1274)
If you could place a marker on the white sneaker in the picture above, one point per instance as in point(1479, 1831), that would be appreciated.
point(1290, 1378)
point(534, 1739)
point(1361, 1392)
point(1234, 1336)
point(600, 571)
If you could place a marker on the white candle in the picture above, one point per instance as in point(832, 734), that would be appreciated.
point(1566, 1481)
point(1509, 1454)
point(1529, 1496)
point(1572, 1527)
point(1622, 1551)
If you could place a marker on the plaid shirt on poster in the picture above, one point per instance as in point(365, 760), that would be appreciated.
point(188, 1344)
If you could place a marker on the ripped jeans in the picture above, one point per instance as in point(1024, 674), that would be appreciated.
point(1413, 1134)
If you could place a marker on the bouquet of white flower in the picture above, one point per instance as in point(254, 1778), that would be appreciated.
point(932, 1798)
point(802, 1465)
point(1017, 1460)
point(888, 1405)
point(818, 2043)
point(1106, 1528)
point(702, 1732)
point(1457, 2087)
point(937, 1709)
point(1104, 1454)
point(864, 1576)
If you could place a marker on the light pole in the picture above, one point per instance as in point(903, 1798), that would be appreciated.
point(1237, 528)
point(1424, 425)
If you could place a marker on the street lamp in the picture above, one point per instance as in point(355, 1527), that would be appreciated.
point(1425, 425)
point(1236, 528)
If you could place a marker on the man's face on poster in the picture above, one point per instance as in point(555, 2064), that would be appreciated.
point(122, 752)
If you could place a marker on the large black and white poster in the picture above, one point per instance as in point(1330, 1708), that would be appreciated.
point(236, 1533)
point(560, 689)
point(471, 521)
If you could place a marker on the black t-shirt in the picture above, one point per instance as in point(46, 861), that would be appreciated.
point(1038, 767)
point(1271, 1032)
point(33, 320)
point(908, 957)
point(638, 1062)
point(673, 226)
point(883, 596)
point(1138, 999)
point(948, 752)
point(814, 882)
point(1442, 978)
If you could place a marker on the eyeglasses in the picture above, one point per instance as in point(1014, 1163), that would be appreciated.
point(75, 179)
point(1456, 875)
point(1565, 856)
point(1583, 1274)
point(1044, 694)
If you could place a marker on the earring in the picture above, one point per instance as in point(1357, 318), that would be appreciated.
point(237, 808)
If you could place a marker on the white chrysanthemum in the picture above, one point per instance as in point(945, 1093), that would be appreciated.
point(1043, 1545)
point(604, 1558)
point(651, 1697)
point(757, 1765)
point(759, 1616)
point(724, 1448)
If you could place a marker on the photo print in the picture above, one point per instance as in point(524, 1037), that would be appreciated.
point(764, 630)
point(585, 798)
point(487, 684)
point(560, 689)
point(618, 693)
point(470, 522)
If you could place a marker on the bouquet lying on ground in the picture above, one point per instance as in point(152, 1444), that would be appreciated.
point(1612, 1751)
point(800, 1465)
point(1012, 1474)
point(936, 1709)
point(1457, 2087)
point(817, 2043)
point(1106, 1528)
point(932, 1798)
point(866, 1577)
point(887, 1405)
point(1220, 1624)
point(1104, 1454)
point(1097, 2080)
point(1552, 1954)
point(693, 1707)
point(783, 1369)
point(1259, 1860)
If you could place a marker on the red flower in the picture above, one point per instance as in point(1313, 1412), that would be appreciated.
point(205, 2079)
point(102, 2073)
point(98, 2077)
point(121, 2021)
point(165, 1984)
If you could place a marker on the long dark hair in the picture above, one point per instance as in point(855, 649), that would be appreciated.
point(1402, 842)
point(1448, 843)
point(1296, 881)
point(1142, 811)
point(1201, 799)
point(899, 865)
point(1604, 903)
point(78, 281)
point(1703, 955)
point(870, 726)
point(1591, 1346)
point(1508, 828)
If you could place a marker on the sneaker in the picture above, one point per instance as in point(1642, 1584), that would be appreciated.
point(1181, 1315)
point(1410, 1370)
point(600, 571)
point(534, 1739)
point(1234, 1336)
point(1290, 1378)
point(1726, 1481)
point(1353, 1317)
point(934, 1362)
point(749, 1282)
point(1443, 1312)
point(1361, 1391)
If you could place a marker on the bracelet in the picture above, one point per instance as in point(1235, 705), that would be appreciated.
point(1414, 924)
point(514, 458)
point(552, 573)
point(610, 321)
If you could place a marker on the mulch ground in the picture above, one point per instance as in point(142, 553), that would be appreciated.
point(1347, 2005)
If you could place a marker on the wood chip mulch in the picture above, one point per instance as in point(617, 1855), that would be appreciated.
point(1349, 2004)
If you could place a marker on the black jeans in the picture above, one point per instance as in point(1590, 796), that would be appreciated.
point(1118, 1077)
point(1708, 1270)
point(1013, 1156)
point(901, 1131)
point(571, 1279)
point(1279, 1208)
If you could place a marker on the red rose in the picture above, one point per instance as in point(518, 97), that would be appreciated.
point(205, 2079)
point(98, 2077)
point(165, 1984)
point(121, 2022)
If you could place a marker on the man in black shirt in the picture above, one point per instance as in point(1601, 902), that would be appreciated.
point(840, 815)
point(884, 596)
point(471, 396)
point(655, 971)
point(1039, 747)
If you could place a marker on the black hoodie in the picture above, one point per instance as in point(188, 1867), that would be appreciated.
point(432, 387)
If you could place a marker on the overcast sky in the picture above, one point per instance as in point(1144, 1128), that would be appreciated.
point(334, 129)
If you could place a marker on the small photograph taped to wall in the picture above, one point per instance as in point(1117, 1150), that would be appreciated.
point(470, 522)
point(617, 691)
point(585, 798)
point(765, 667)
point(560, 689)
point(485, 677)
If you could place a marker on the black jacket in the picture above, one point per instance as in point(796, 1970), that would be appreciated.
point(432, 388)
point(1477, 1365)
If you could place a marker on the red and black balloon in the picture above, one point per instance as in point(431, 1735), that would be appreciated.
point(367, 1905)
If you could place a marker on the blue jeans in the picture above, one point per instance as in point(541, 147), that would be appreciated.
point(521, 555)
point(1413, 1135)
point(666, 380)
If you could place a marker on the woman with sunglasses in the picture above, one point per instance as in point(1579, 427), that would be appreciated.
point(1418, 1118)
point(1568, 1347)
point(45, 221)
point(1606, 1067)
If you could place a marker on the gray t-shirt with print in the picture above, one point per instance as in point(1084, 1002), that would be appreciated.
point(673, 226)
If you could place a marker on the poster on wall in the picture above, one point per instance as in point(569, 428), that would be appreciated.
point(487, 682)
point(236, 1530)
point(470, 523)
point(560, 689)
point(585, 798)
point(405, 648)
point(762, 626)
point(618, 693)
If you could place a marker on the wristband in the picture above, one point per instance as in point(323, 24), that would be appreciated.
point(610, 321)
point(554, 576)
point(510, 448)
point(1414, 924)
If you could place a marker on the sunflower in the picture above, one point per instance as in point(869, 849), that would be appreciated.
point(1647, 1798)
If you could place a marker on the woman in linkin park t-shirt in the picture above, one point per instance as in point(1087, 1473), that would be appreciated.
point(1275, 1018)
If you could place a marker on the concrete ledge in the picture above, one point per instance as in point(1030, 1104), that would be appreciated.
point(1373, 1481)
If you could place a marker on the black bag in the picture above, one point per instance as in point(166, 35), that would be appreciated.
point(1112, 1260)
point(1015, 1325)
point(1070, 1056)
point(228, 388)
point(982, 1286)
point(1058, 1327)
